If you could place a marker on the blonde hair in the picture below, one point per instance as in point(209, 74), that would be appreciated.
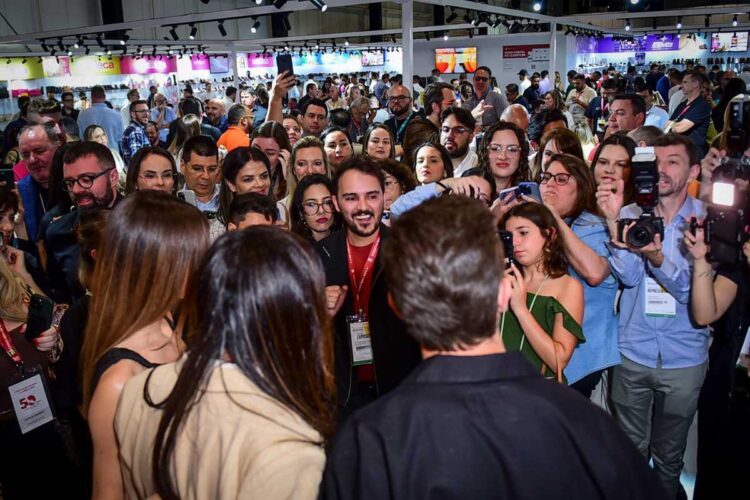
point(13, 291)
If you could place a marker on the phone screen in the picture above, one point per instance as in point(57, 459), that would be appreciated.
point(284, 63)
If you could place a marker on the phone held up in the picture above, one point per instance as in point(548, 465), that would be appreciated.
point(40, 316)
point(530, 189)
point(7, 180)
point(284, 63)
point(506, 237)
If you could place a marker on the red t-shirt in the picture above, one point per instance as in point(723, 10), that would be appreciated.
point(365, 373)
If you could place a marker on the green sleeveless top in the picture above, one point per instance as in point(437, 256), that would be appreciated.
point(544, 311)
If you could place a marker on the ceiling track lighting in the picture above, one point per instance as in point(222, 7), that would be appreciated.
point(124, 39)
point(679, 23)
point(707, 21)
point(255, 26)
point(222, 29)
point(258, 2)
point(320, 4)
point(279, 3)
point(471, 33)
point(285, 21)
point(44, 46)
point(78, 43)
point(734, 20)
point(193, 31)
point(452, 16)
point(173, 32)
point(88, 50)
point(537, 6)
point(627, 25)
point(346, 42)
point(445, 36)
point(62, 46)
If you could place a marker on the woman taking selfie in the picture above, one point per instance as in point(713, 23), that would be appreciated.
point(259, 369)
point(569, 192)
point(152, 168)
point(546, 305)
point(312, 212)
point(143, 267)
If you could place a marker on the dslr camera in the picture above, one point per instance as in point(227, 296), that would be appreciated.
point(725, 226)
point(646, 177)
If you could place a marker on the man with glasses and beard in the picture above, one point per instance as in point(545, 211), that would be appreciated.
point(372, 350)
point(90, 178)
point(400, 106)
point(494, 103)
point(457, 136)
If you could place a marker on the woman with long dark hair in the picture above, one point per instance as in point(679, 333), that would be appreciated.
point(152, 168)
point(245, 170)
point(273, 140)
point(152, 243)
point(611, 164)
point(246, 412)
point(312, 212)
point(546, 304)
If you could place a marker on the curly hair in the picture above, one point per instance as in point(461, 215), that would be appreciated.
point(553, 258)
point(523, 172)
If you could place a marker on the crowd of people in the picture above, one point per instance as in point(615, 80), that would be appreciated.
point(349, 287)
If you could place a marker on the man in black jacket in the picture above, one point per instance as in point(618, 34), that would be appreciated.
point(472, 421)
point(373, 351)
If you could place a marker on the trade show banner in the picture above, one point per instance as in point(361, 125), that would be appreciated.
point(56, 66)
point(199, 62)
point(19, 70)
point(607, 44)
point(95, 66)
point(148, 65)
point(529, 57)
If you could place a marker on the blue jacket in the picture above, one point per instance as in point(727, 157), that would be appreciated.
point(33, 204)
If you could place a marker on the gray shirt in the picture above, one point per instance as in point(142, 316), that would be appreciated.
point(497, 101)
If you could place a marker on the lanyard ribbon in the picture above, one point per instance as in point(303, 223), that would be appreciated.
point(366, 269)
point(7, 344)
point(685, 110)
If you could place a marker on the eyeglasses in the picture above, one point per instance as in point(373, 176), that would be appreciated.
point(511, 150)
point(85, 181)
point(152, 176)
point(455, 130)
point(481, 79)
point(560, 179)
point(312, 207)
point(399, 98)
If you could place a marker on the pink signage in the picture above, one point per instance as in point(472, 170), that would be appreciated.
point(148, 65)
point(258, 61)
point(199, 62)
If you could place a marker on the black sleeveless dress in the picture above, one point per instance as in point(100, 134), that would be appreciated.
point(113, 356)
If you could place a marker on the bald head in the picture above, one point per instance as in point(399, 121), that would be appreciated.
point(517, 115)
point(399, 101)
point(215, 110)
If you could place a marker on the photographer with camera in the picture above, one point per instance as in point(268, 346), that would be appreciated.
point(663, 351)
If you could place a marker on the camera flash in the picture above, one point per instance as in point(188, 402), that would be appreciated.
point(723, 194)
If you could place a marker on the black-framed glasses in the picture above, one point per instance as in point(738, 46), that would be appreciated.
point(481, 79)
point(560, 179)
point(399, 98)
point(85, 181)
point(456, 130)
point(312, 207)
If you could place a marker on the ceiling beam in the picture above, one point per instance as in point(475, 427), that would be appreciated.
point(693, 11)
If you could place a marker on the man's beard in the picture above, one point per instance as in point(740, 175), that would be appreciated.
point(459, 152)
point(102, 202)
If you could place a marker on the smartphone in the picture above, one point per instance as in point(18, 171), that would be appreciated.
point(6, 178)
point(530, 189)
point(284, 63)
point(374, 103)
point(188, 196)
point(40, 316)
point(508, 195)
point(507, 239)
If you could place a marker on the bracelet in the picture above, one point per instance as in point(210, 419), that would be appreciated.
point(446, 188)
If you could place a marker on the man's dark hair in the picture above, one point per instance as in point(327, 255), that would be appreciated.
point(190, 106)
point(484, 68)
point(553, 115)
point(44, 107)
point(486, 175)
point(90, 148)
point(200, 145)
point(66, 94)
point(152, 123)
point(252, 203)
point(23, 100)
point(512, 88)
point(230, 91)
point(314, 102)
point(463, 116)
point(673, 139)
point(700, 77)
point(341, 118)
point(136, 103)
point(456, 258)
point(363, 164)
point(433, 94)
point(609, 83)
point(70, 127)
point(572, 73)
point(544, 73)
point(636, 102)
point(580, 76)
point(640, 86)
point(236, 113)
point(97, 92)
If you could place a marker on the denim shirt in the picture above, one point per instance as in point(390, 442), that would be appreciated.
point(599, 320)
point(413, 199)
point(674, 340)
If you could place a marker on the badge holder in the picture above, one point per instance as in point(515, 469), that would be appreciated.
point(359, 335)
point(31, 399)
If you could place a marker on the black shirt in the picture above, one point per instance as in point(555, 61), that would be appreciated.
point(699, 113)
point(481, 427)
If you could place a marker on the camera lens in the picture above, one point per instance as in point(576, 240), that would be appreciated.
point(641, 234)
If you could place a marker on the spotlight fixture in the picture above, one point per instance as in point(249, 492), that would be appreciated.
point(627, 26)
point(279, 3)
point(427, 36)
point(475, 21)
point(445, 36)
point(679, 23)
point(471, 33)
point(124, 39)
point(653, 23)
point(88, 50)
point(78, 43)
point(320, 4)
point(287, 24)
point(222, 30)
point(44, 46)
point(537, 6)
point(317, 45)
point(24, 61)
point(707, 21)
point(734, 20)
point(8, 61)
point(346, 43)
point(498, 20)
point(255, 26)
point(169, 52)
point(39, 60)
point(467, 18)
point(173, 32)
point(57, 58)
point(53, 51)
point(109, 51)
point(99, 41)
point(634, 2)
point(70, 52)
point(62, 46)
point(258, 2)
point(193, 31)
point(452, 17)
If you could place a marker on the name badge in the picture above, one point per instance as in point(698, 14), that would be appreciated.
point(600, 124)
point(31, 401)
point(659, 302)
point(359, 332)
